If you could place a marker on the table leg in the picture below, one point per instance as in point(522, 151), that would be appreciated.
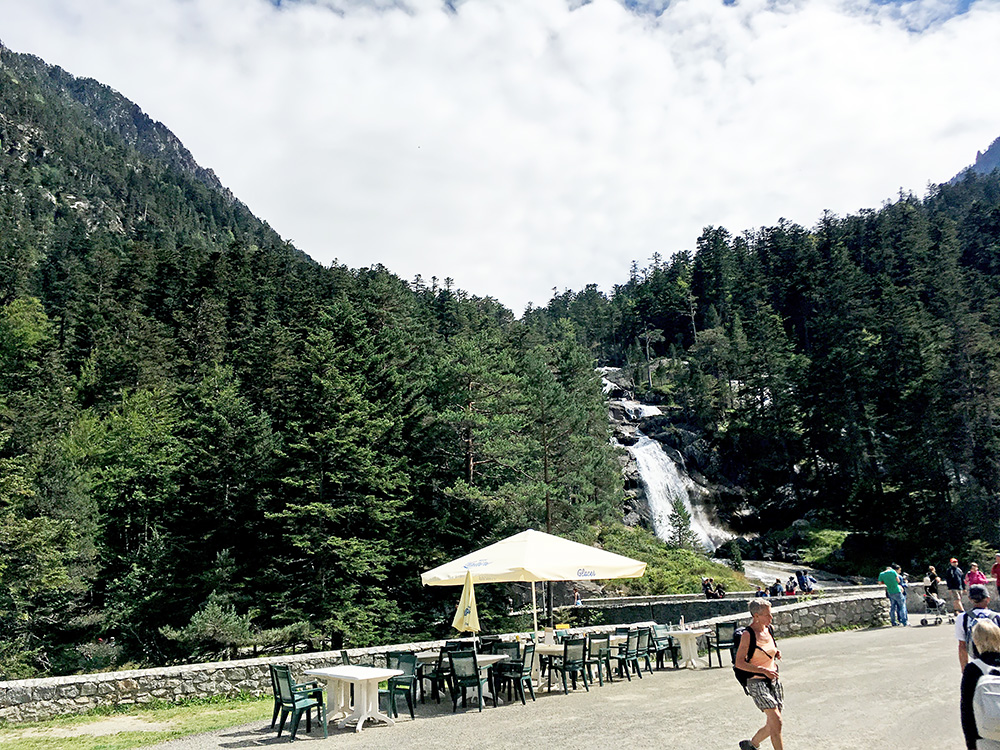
point(338, 699)
point(365, 706)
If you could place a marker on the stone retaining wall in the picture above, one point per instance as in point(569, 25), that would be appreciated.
point(30, 700)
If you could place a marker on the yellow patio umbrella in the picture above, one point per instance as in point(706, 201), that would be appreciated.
point(534, 556)
point(466, 617)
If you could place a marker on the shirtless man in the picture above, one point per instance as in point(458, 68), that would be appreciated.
point(763, 685)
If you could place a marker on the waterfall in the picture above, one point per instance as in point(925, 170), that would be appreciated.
point(664, 483)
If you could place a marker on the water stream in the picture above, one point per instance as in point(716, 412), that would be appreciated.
point(664, 482)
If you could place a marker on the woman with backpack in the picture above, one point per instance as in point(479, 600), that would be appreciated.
point(980, 710)
point(757, 657)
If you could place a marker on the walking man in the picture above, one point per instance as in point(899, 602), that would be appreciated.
point(954, 577)
point(893, 582)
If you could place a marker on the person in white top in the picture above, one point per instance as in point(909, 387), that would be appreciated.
point(965, 621)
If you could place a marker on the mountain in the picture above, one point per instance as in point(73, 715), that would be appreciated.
point(986, 161)
point(210, 441)
point(989, 160)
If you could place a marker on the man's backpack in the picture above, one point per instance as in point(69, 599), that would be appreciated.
point(741, 674)
point(970, 620)
point(986, 701)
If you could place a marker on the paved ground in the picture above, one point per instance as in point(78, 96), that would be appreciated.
point(889, 688)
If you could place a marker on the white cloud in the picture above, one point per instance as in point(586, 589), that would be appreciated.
point(521, 145)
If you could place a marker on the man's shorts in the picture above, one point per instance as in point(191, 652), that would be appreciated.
point(766, 693)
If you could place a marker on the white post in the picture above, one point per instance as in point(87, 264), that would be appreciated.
point(534, 610)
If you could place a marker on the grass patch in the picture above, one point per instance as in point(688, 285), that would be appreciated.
point(116, 728)
point(819, 545)
point(669, 570)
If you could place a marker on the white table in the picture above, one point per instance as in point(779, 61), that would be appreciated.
point(338, 693)
point(688, 640)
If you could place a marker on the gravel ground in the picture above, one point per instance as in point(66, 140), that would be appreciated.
point(888, 688)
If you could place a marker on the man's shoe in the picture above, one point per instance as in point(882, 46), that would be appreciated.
point(747, 745)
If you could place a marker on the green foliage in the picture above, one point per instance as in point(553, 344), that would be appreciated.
point(669, 570)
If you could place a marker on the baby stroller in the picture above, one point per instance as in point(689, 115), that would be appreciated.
point(937, 610)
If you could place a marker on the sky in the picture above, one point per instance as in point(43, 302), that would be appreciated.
point(521, 147)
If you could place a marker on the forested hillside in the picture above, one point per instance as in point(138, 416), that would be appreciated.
point(207, 439)
point(847, 374)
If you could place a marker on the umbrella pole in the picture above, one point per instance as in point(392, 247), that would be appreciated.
point(534, 609)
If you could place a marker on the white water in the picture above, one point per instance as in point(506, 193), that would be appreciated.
point(636, 410)
point(664, 483)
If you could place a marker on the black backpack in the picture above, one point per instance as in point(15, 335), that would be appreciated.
point(741, 674)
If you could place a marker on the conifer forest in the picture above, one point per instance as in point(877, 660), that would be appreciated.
point(202, 430)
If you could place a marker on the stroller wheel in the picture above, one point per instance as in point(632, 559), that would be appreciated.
point(923, 621)
point(938, 620)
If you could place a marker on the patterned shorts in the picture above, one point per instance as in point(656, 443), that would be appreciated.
point(766, 693)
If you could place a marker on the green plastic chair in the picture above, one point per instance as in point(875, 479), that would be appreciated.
point(599, 655)
point(628, 654)
point(725, 637)
point(662, 644)
point(518, 673)
point(439, 676)
point(296, 702)
point(404, 684)
point(277, 692)
point(466, 673)
point(642, 648)
point(573, 663)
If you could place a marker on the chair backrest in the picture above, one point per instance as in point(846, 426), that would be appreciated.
point(623, 630)
point(345, 658)
point(283, 679)
point(463, 665)
point(458, 646)
point(574, 650)
point(407, 662)
point(487, 643)
point(633, 642)
point(599, 643)
point(661, 632)
point(528, 659)
point(274, 681)
point(392, 659)
point(510, 649)
point(725, 632)
point(642, 645)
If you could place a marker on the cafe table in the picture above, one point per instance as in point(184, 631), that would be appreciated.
point(338, 691)
point(688, 640)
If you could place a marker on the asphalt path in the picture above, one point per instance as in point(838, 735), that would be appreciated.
point(885, 688)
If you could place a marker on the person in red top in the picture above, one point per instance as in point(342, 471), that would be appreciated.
point(975, 577)
point(995, 571)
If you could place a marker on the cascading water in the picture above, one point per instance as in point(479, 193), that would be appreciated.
point(664, 483)
point(661, 477)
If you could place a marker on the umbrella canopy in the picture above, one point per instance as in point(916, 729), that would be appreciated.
point(535, 556)
point(466, 617)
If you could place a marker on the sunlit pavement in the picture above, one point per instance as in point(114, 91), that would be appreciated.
point(887, 688)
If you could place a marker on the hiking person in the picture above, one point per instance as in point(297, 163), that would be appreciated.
point(964, 623)
point(893, 582)
point(762, 685)
point(954, 577)
point(776, 589)
point(986, 638)
point(995, 572)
